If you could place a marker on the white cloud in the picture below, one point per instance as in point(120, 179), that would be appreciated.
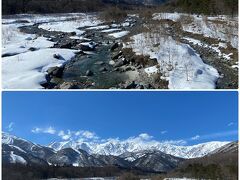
point(10, 127)
point(47, 130)
point(77, 135)
point(65, 136)
point(195, 137)
point(145, 136)
point(163, 132)
point(214, 135)
point(88, 135)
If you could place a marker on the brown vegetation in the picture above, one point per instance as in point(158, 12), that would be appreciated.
point(114, 14)
point(50, 6)
point(21, 172)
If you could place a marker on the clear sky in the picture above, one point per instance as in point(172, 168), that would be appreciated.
point(194, 117)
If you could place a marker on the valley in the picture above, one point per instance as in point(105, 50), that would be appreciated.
point(86, 51)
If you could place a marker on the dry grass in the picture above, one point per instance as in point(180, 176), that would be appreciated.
point(113, 14)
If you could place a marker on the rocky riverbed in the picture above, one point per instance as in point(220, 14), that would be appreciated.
point(102, 59)
point(101, 62)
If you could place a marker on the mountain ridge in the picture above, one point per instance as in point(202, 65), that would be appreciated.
point(20, 151)
point(116, 147)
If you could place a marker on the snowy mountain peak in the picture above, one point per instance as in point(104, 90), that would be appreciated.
point(117, 147)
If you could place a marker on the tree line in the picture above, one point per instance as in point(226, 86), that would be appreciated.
point(22, 172)
point(208, 7)
point(50, 6)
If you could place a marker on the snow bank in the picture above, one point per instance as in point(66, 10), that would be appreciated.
point(27, 70)
point(171, 16)
point(71, 25)
point(179, 63)
point(224, 29)
point(119, 34)
point(218, 27)
point(41, 18)
point(15, 42)
point(152, 70)
point(98, 27)
point(214, 47)
point(111, 30)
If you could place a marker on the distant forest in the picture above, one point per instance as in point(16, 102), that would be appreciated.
point(21, 172)
point(213, 7)
point(50, 6)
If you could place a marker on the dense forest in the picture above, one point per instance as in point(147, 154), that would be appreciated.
point(21, 172)
point(61, 6)
point(217, 166)
point(213, 7)
point(49, 6)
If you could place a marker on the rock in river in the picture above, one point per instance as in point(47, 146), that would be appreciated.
point(117, 55)
point(103, 69)
point(114, 46)
point(89, 73)
point(56, 71)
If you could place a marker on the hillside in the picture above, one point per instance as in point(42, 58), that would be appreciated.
point(220, 164)
point(211, 7)
point(69, 6)
point(20, 157)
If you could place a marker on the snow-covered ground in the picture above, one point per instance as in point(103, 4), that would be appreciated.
point(219, 27)
point(27, 70)
point(172, 16)
point(15, 42)
point(71, 26)
point(26, 57)
point(119, 34)
point(214, 47)
point(179, 63)
point(40, 18)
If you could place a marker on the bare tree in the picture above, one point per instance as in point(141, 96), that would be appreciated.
point(188, 70)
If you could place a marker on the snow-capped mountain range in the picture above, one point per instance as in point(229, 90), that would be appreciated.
point(131, 153)
point(117, 147)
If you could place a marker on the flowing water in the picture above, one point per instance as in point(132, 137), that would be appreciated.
point(76, 69)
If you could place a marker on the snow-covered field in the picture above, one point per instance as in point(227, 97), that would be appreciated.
point(24, 68)
point(179, 63)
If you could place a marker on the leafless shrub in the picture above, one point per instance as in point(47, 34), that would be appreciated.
point(186, 19)
point(114, 14)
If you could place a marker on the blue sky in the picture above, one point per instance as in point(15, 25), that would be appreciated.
point(192, 117)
